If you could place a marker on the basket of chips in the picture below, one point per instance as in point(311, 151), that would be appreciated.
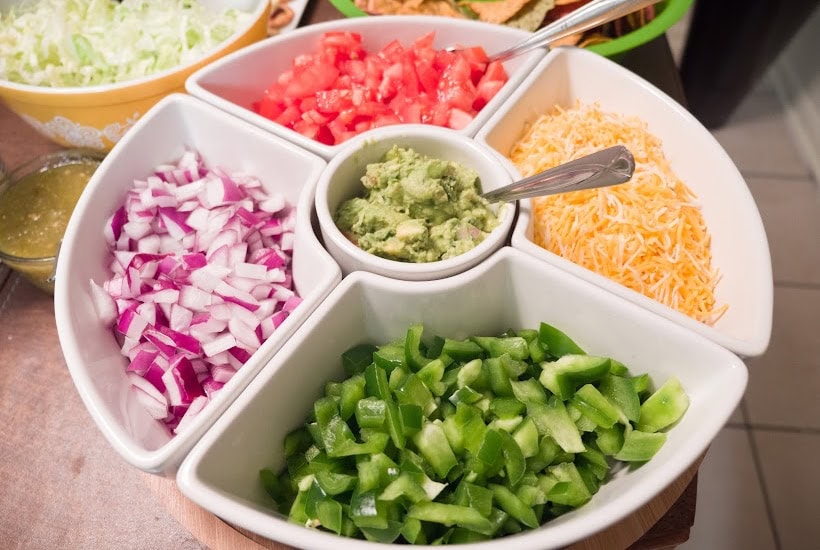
point(611, 39)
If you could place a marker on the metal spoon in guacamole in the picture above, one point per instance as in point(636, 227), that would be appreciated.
point(603, 168)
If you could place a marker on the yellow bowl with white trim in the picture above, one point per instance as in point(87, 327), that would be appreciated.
point(96, 117)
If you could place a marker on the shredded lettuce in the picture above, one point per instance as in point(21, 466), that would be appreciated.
point(61, 43)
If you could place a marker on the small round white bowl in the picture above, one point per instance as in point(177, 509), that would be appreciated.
point(341, 181)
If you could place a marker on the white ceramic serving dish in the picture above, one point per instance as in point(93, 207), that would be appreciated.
point(234, 83)
point(90, 350)
point(509, 290)
point(739, 247)
point(342, 181)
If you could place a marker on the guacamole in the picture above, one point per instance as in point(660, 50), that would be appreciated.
point(417, 209)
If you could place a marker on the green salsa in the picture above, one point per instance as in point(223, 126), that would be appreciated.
point(417, 209)
point(34, 211)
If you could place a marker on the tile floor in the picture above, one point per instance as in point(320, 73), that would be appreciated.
point(759, 483)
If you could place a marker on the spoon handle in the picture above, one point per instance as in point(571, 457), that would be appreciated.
point(609, 166)
point(584, 18)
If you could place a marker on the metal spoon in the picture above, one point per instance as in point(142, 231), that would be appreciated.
point(610, 166)
point(584, 18)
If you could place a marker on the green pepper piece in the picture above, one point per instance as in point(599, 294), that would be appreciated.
point(476, 497)
point(297, 441)
point(431, 374)
point(490, 449)
point(352, 390)
point(506, 424)
point(412, 532)
point(514, 346)
point(621, 392)
point(528, 390)
point(386, 535)
point(371, 412)
point(462, 350)
point(664, 407)
point(376, 382)
point(315, 433)
point(333, 389)
point(514, 462)
point(511, 504)
point(526, 436)
point(507, 407)
point(297, 512)
point(436, 347)
point(556, 342)
point(273, 485)
point(433, 445)
point(390, 357)
point(461, 535)
point(618, 369)
point(590, 477)
point(315, 495)
point(570, 489)
point(472, 374)
point(396, 378)
point(611, 440)
point(536, 350)
point(640, 446)
point(413, 356)
point(595, 406)
point(357, 358)
point(528, 334)
point(412, 418)
point(562, 376)
point(531, 496)
point(376, 443)
point(329, 514)
point(451, 514)
point(596, 462)
point(413, 391)
point(335, 483)
point(375, 471)
point(582, 422)
point(498, 377)
point(404, 486)
point(367, 511)
point(465, 394)
point(641, 383)
point(552, 419)
point(394, 424)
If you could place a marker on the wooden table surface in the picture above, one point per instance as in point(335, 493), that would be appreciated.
point(62, 485)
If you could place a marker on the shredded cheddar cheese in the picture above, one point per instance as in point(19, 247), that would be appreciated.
point(647, 234)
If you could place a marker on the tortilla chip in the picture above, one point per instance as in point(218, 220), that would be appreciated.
point(497, 11)
point(529, 18)
point(409, 7)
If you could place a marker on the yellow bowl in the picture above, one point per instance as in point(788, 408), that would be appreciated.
point(96, 117)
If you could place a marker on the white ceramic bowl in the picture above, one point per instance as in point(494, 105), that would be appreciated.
point(509, 290)
point(739, 247)
point(342, 181)
point(236, 81)
point(90, 350)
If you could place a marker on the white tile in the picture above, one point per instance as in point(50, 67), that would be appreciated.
point(790, 209)
point(758, 140)
point(792, 480)
point(784, 383)
point(731, 511)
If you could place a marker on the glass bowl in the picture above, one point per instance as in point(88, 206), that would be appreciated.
point(36, 201)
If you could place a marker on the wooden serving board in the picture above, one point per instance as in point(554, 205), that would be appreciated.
point(663, 522)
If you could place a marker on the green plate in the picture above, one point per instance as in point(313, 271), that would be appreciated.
point(669, 11)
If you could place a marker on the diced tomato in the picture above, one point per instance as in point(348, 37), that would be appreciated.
point(459, 119)
point(342, 90)
point(485, 91)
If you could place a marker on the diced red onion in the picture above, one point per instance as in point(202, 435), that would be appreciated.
point(200, 277)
